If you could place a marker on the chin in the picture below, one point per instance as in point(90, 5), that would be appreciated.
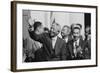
point(52, 35)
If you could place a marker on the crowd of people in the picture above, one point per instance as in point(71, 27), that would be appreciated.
point(45, 45)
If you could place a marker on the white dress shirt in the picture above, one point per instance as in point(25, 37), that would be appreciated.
point(66, 39)
point(54, 39)
point(76, 43)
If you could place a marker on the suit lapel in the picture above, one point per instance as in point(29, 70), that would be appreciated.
point(56, 47)
point(80, 42)
point(72, 47)
point(50, 45)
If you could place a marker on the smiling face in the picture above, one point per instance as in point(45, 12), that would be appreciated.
point(54, 30)
point(76, 33)
point(65, 31)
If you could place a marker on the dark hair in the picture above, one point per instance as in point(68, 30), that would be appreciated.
point(76, 28)
point(36, 25)
point(79, 25)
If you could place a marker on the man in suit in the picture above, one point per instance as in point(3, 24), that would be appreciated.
point(30, 46)
point(75, 46)
point(38, 34)
point(87, 43)
point(58, 45)
point(65, 33)
point(54, 48)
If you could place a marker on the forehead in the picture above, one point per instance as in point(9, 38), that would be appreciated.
point(65, 27)
point(76, 30)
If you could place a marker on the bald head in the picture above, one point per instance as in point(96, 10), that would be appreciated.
point(55, 29)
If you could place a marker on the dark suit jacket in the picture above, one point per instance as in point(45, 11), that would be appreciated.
point(70, 47)
point(87, 49)
point(46, 53)
point(60, 51)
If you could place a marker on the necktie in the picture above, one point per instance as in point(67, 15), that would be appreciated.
point(75, 49)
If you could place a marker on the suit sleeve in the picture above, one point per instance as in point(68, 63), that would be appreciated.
point(68, 52)
point(63, 52)
point(42, 39)
point(36, 37)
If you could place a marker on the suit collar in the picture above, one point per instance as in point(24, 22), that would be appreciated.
point(54, 38)
point(57, 44)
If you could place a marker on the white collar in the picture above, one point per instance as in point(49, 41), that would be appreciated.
point(78, 41)
point(54, 38)
point(66, 39)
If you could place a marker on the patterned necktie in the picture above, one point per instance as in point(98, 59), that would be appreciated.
point(75, 49)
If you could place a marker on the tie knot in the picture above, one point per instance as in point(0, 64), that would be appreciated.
point(76, 43)
point(53, 39)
